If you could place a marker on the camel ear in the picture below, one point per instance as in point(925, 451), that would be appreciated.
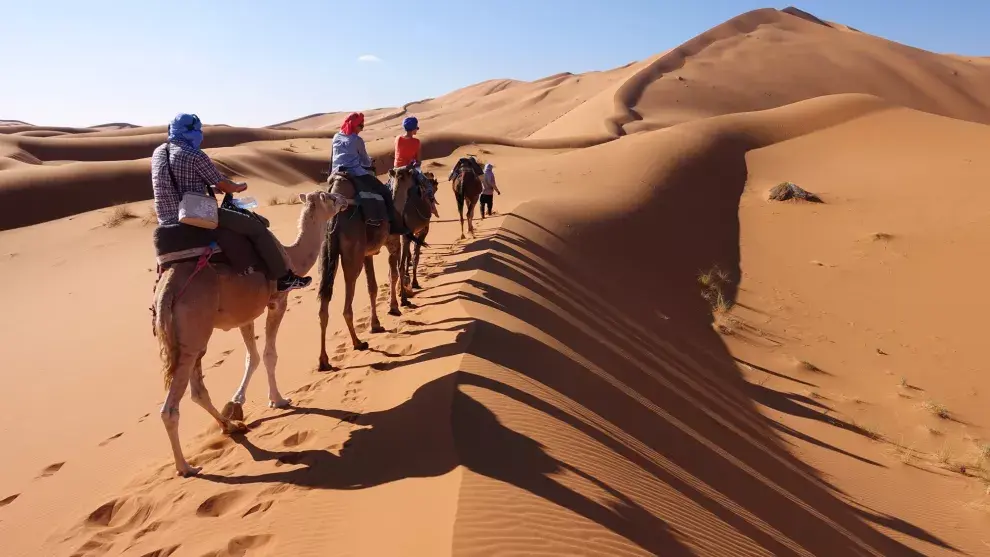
point(302, 197)
point(391, 172)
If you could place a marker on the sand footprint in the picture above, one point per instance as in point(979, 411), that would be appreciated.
point(219, 504)
point(51, 469)
point(296, 439)
point(239, 546)
point(8, 500)
point(261, 507)
point(164, 552)
point(107, 441)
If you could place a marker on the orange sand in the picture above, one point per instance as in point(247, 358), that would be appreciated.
point(563, 387)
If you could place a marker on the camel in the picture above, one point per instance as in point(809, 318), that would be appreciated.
point(417, 213)
point(354, 243)
point(191, 303)
point(467, 187)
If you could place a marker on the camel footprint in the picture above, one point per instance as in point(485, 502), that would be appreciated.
point(240, 545)
point(296, 439)
point(51, 469)
point(107, 441)
point(219, 504)
point(258, 508)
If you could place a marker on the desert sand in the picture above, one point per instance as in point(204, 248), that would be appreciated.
point(639, 354)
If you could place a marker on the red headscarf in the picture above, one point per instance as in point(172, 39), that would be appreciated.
point(351, 123)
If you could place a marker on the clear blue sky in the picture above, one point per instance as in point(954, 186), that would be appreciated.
point(258, 62)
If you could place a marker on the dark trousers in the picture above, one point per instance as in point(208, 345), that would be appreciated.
point(262, 239)
point(487, 199)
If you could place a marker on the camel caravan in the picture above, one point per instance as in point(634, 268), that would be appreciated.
point(219, 266)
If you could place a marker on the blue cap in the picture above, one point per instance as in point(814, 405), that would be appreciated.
point(410, 124)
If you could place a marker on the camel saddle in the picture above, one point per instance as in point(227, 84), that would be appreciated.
point(176, 243)
point(370, 203)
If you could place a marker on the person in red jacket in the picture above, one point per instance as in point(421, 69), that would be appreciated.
point(408, 150)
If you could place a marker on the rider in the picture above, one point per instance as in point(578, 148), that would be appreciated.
point(408, 150)
point(193, 171)
point(349, 153)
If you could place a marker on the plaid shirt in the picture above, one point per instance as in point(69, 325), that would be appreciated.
point(193, 170)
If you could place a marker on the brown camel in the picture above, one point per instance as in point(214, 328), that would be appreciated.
point(189, 305)
point(467, 188)
point(417, 212)
point(354, 243)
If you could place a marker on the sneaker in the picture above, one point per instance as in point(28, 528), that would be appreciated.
point(291, 281)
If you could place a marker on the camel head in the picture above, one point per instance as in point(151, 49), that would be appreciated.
point(320, 206)
point(402, 177)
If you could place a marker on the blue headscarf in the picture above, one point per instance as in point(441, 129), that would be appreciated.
point(410, 124)
point(186, 128)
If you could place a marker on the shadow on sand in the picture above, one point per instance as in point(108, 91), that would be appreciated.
point(566, 329)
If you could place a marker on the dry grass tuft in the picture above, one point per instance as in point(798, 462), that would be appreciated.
point(937, 409)
point(274, 200)
point(118, 215)
point(882, 236)
point(150, 217)
point(713, 284)
point(293, 200)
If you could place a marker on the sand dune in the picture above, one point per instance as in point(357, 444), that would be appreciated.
point(639, 355)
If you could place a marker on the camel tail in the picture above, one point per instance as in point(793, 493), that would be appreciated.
point(164, 325)
point(329, 258)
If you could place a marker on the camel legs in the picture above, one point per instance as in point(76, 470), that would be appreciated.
point(352, 268)
point(170, 410)
point(272, 323)
point(369, 271)
point(251, 361)
point(415, 262)
point(201, 397)
point(470, 215)
point(394, 274)
point(324, 321)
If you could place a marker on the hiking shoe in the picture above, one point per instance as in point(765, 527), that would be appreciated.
point(291, 281)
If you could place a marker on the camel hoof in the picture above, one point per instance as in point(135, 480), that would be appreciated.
point(187, 471)
point(395, 312)
point(407, 304)
point(234, 426)
point(361, 346)
point(416, 285)
point(377, 329)
point(233, 411)
point(281, 403)
point(326, 366)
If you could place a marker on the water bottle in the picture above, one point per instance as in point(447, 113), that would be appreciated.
point(245, 202)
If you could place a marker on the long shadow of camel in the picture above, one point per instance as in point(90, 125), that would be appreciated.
point(416, 440)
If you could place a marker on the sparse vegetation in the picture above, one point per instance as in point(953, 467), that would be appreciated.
point(933, 431)
point(293, 200)
point(944, 455)
point(713, 284)
point(983, 451)
point(903, 382)
point(936, 408)
point(118, 215)
point(882, 236)
point(274, 200)
point(150, 217)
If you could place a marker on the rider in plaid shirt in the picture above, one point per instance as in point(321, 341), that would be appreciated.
point(195, 172)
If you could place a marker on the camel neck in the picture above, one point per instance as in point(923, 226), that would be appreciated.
point(305, 250)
